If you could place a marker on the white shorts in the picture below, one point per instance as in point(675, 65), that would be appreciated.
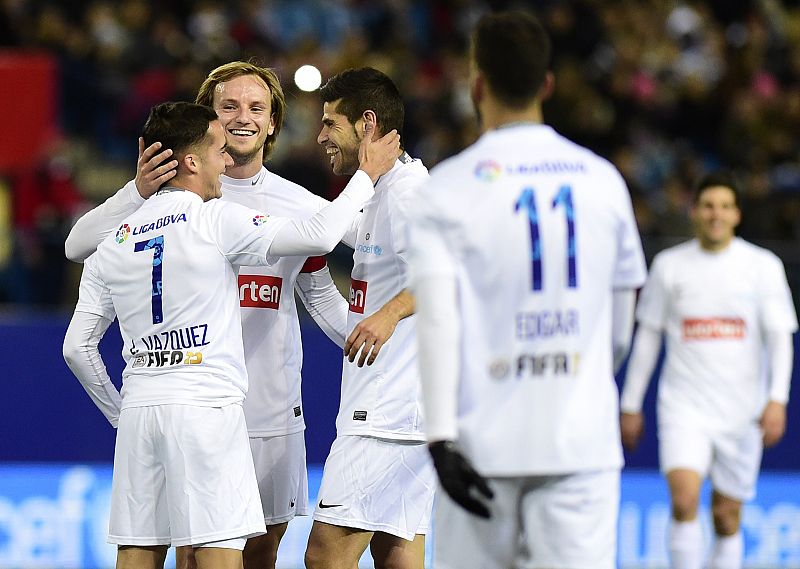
point(377, 485)
point(537, 522)
point(730, 460)
point(183, 475)
point(280, 463)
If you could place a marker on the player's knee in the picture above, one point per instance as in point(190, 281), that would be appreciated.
point(260, 553)
point(684, 506)
point(727, 516)
point(314, 557)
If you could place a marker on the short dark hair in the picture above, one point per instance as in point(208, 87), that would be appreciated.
point(724, 178)
point(180, 126)
point(512, 50)
point(363, 89)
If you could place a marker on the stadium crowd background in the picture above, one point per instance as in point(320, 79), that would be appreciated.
point(664, 89)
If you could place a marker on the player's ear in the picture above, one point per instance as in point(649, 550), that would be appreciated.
point(191, 162)
point(369, 117)
point(548, 86)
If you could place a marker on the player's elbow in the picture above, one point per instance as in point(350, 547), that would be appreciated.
point(73, 251)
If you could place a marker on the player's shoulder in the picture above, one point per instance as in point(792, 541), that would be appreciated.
point(281, 191)
point(407, 174)
point(755, 253)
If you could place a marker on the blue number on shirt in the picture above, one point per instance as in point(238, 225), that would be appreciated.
point(527, 200)
point(157, 245)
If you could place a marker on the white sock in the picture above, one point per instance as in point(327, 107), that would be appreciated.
point(686, 545)
point(728, 552)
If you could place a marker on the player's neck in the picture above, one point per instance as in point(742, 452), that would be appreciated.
point(714, 246)
point(496, 115)
point(244, 171)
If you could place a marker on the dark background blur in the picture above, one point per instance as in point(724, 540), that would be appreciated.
point(664, 89)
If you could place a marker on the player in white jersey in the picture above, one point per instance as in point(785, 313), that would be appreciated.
point(378, 482)
point(250, 102)
point(525, 258)
point(725, 309)
point(183, 472)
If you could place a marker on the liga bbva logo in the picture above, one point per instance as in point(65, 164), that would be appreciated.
point(123, 233)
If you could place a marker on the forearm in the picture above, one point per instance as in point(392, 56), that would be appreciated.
point(781, 355)
point(438, 333)
point(96, 224)
point(623, 308)
point(401, 306)
point(320, 234)
point(646, 347)
point(82, 355)
point(324, 303)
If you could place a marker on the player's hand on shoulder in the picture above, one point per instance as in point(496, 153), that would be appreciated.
point(153, 168)
point(459, 479)
point(369, 336)
point(376, 157)
point(631, 428)
point(773, 423)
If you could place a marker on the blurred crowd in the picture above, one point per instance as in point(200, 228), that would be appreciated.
point(665, 89)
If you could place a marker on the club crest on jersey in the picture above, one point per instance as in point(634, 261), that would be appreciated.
point(358, 295)
point(488, 170)
point(123, 233)
point(260, 220)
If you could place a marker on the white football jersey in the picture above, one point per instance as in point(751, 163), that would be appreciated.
point(383, 399)
point(537, 232)
point(167, 274)
point(270, 327)
point(714, 309)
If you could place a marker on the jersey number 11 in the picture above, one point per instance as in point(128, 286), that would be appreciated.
point(527, 200)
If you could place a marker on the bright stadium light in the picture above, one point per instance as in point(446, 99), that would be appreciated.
point(307, 78)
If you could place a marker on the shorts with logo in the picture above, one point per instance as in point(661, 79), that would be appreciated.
point(183, 475)
point(731, 459)
point(280, 463)
point(554, 522)
point(377, 485)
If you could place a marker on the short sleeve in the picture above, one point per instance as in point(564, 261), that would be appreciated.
point(94, 296)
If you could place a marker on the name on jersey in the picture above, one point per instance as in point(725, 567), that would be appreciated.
point(546, 323)
point(180, 339)
point(718, 328)
point(164, 358)
point(358, 295)
point(159, 223)
point(260, 291)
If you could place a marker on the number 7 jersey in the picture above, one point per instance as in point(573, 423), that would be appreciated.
point(537, 232)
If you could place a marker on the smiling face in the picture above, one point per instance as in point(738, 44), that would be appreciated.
point(213, 160)
point(715, 216)
point(243, 106)
point(340, 138)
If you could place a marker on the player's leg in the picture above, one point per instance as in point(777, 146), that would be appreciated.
point(737, 457)
point(392, 552)
point(335, 547)
point(218, 558)
point(184, 557)
point(261, 552)
point(280, 465)
point(570, 520)
point(141, 557)
point(685, 452)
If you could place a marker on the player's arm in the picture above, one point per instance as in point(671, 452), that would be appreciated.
point(644, 356)
point(374, 331)
point(82, 355)
point(622, 316)
point(322, 299)
point(319, 234)
point(152, 170)
point(780, 353)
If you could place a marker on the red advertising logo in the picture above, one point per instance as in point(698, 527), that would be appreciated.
point(713, 329)
point(358, 295)
point(259, 291)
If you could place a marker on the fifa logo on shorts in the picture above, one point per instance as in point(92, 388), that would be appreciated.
point(260, 291)
point(358, 295)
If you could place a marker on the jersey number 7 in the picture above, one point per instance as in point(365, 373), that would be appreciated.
point(157, 245)
point(527, 200)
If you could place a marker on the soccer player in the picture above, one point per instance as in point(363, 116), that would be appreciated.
point(525, 258)
point(378, 482)
point(725, 310)
point(183, 471)
point(251, 106)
